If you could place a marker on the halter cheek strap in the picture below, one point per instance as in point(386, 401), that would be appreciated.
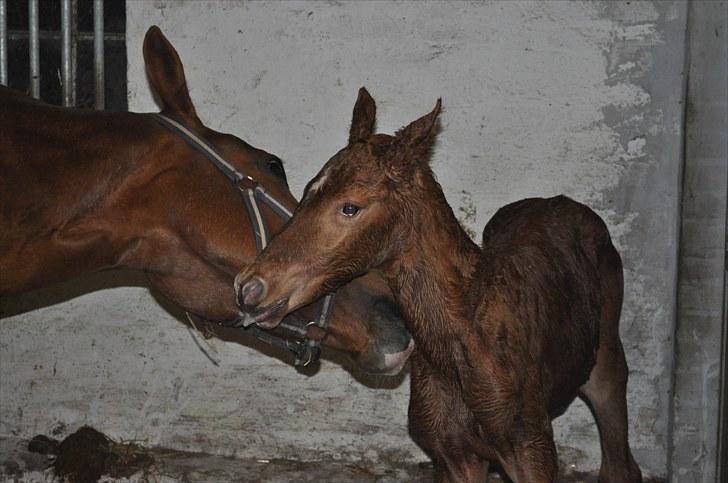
point(305, 349)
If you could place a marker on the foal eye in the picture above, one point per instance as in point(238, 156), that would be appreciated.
point(349, 209)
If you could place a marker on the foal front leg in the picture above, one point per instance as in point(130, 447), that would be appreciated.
point(463, 470)
point(527, 449)
point(533, 460)
point(521, 433)
point(438, 421)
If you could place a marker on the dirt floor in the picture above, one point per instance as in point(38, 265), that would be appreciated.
point(18, 465)
point(132, 464)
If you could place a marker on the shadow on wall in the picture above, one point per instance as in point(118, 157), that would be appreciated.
point(63, 292)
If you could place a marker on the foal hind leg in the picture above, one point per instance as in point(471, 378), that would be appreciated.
point(605, 392)
point(606, 389)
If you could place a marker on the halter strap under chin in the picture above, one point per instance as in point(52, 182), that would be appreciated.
point(305, 349)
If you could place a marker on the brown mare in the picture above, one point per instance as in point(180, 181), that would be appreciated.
point(84, 191)
point(506, 337)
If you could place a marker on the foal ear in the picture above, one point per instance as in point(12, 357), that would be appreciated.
point(364, 118)
point(419, 136)
point(166, 75)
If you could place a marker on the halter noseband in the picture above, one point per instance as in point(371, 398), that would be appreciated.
point(305, 349)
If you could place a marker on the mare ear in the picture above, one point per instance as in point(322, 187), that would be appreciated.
point(364, 117)
point(166, 76)
point(418, 137)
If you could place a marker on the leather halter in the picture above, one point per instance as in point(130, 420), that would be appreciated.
point(305, 349)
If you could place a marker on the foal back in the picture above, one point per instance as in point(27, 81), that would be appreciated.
point(546, 299)
point(536, 293)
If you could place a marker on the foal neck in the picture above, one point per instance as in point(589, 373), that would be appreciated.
point(431, 277)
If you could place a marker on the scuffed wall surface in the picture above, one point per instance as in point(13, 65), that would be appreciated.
point(114, 359)
point(540, 99)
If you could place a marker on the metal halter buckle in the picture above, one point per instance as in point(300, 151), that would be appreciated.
point(246, 182)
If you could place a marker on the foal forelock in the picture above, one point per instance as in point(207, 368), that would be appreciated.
point(316, 185)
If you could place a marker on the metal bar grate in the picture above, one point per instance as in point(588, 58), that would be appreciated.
point(3, 43)
point(51, 35)
point(99, 54)
point(67, 57)
point(68, 38)
point(34, 48)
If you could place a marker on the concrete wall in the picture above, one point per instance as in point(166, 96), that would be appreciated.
point(540, 99)
point(702, 248)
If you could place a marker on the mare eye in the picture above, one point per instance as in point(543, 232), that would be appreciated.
point(349, 210)
point(276, 167)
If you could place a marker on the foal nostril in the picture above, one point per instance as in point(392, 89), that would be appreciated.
point(253, 292)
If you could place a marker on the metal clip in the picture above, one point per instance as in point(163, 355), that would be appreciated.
point(306, 354)
point(246, 183)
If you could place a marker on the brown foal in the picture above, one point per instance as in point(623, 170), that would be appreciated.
point(85, 191)
point(506, 336)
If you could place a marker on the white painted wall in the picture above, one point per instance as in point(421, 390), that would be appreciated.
point(540, 99)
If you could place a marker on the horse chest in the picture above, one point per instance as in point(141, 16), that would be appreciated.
point(440, 417)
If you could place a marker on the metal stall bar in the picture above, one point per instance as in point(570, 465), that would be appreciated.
point(68, 53)
point(3, 43)
point(99, 54)
point(34, 46)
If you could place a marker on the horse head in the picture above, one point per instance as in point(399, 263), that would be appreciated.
point(354, 217)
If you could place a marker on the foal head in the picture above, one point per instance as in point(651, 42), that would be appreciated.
point(356, 215)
